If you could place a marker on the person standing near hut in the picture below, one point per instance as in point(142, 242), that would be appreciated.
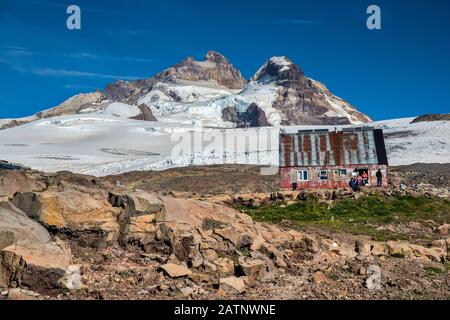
point(294, 179)
point(379, 178)
point(365, 178)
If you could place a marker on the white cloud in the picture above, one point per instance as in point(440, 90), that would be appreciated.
point(51, 72)
point(78, 86)
point(17, 51)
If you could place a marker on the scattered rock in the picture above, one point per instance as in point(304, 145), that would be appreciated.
point(378, 249)
point(347, 251)
point(232, 285)
point(143, 292)
point(252, 267)
point(331, 245)
point(197, 261)
point(441, 244)
point(200, 278)
point(210, 255)
point(319, 277)
point(155, 256)
point(225, 266)
point(363, 248)
point(209, 267)
point(443, 230)
point(186, 291)
point(175, 270)
point(72, 278)
point(257, 243)
point(22, 294)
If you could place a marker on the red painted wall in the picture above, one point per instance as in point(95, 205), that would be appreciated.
point(333, 182)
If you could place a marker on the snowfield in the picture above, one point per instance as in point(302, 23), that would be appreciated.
point(107, 142)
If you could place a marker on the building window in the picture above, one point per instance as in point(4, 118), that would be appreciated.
point(323, 175)
point(340, 172)
point(303, 175)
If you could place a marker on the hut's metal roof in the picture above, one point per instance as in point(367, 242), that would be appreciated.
point(332, 148)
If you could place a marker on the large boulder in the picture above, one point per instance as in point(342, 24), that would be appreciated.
point(30, 258)
point(78, 213)
point(12, 181)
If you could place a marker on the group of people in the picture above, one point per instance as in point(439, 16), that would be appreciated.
point(363, 179)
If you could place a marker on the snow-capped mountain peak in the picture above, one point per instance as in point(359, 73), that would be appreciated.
point(273, 69)
point(214, 92)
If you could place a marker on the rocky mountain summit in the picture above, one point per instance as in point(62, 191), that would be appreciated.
point(215, 67)
point(214, 91)
point(302, 100)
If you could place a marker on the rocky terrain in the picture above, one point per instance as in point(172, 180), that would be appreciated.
point(432, 117)
point(143, 236)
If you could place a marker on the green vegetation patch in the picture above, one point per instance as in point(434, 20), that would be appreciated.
point(360, 216)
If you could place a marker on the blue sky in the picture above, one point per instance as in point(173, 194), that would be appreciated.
point(401, 70)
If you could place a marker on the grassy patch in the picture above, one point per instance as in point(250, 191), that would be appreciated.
point(399, 255)
point(447, 266)
point(434, 270)
point(359, 216)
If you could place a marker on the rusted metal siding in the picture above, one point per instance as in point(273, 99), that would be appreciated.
point(306, 149)
point(332, 152)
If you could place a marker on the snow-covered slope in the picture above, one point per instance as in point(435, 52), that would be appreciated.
point(421, 142)
point(187, 102)
point(104, 143)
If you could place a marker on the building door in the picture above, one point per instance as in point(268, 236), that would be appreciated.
point(364, 172)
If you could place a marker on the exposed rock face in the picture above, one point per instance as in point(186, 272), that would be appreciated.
point(254, 116)
point(12, 181)
point(140, 213)
point(432, 117)
point(119, 90)
point(29, 257)
point(302, 100)
point(123, 91)
point(87, 216)
point(17, 122)
point(146, 113)
point(230, 114)
point(215, 67)
point(72, 105)
point(127, 91)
